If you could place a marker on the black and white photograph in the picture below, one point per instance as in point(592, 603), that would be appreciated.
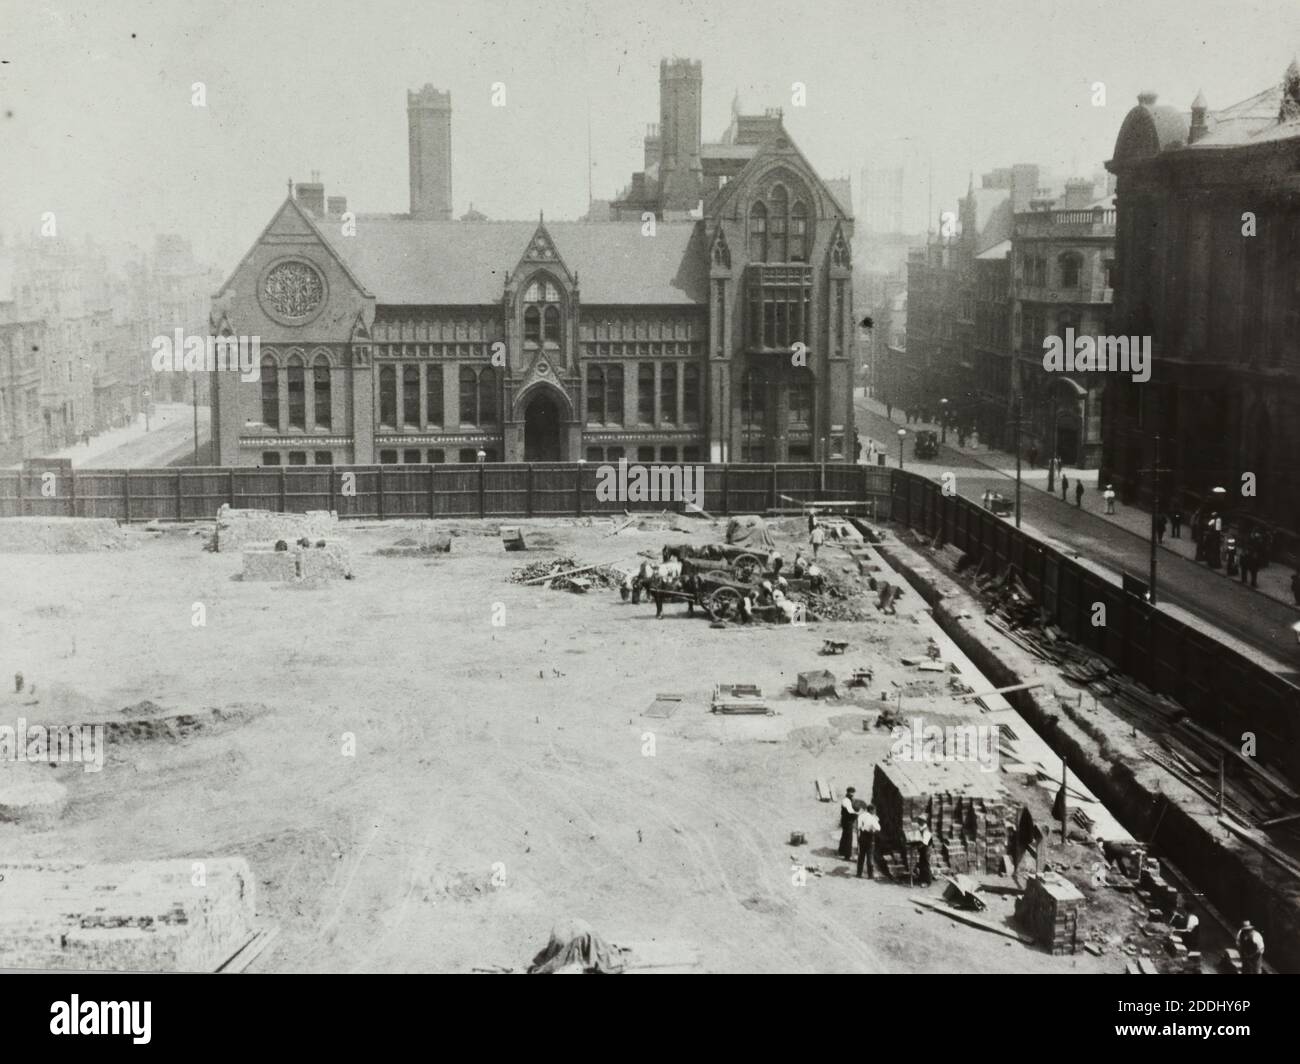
point(698, 487)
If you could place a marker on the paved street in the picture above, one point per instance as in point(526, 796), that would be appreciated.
point(1260, 618)
point(170, 437)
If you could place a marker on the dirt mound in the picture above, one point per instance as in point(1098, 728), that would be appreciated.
point(157, 724)
point(59, 535)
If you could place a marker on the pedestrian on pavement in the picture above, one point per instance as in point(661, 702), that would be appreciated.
point(1176, 523)
point(848, 824)
point(1254, 559)
point(1250, 944)
point(1033, 456)
point(1078, 492)
point(868, 825)
point(1109, 496)
point(1065, 486)
point(889, 411)
point(1162, 523)
point(817, 537)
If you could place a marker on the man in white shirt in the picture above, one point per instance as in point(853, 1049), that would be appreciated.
point(868, 825)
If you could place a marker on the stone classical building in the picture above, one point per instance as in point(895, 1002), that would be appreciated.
point(1208, 265)
point(1062, 253)
point(727, 336)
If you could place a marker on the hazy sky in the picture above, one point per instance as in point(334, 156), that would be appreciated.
point(97, 125)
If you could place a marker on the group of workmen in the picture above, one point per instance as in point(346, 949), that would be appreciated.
point(859, 822)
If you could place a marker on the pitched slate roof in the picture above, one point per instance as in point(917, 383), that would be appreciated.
point(1252, 121)
point(407, 262)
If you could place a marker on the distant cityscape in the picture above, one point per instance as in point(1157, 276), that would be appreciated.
point(77, 321)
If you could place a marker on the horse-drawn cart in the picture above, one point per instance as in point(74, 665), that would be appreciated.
point(710, 589)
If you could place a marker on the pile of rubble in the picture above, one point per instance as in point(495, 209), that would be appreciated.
point(578, 577)
point(59, 535)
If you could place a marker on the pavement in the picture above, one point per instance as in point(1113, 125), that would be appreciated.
point(170, 436)
point(1259, 618)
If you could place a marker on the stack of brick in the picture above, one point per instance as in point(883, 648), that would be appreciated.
point(967, 811)
point(238, 529)
point(321, 559)
point(1049, 910)
point(1156, 890)
point(153, 916)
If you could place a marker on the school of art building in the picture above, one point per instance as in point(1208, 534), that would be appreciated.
point(719, 333)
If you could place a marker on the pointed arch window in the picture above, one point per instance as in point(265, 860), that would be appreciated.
point(799, 232)
point(543, 322)
point(388, 396)
point(297, 393)
point(321, 392)
point(758, 232)
point(777, 225)
point(478, 396)
point(270, 394)
point(410, 394)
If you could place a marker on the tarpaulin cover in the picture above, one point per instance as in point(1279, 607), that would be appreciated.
point(574, 943)
point(750, 530)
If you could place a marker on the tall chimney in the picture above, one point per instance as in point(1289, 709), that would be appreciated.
point(428, 115)
point(681, 90)
point(311, 195)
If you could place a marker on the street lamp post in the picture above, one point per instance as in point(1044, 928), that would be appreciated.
point(146, 410)
point(943, 420)
point(901, 434)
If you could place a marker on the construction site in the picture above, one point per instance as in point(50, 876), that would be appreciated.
point(629, 743)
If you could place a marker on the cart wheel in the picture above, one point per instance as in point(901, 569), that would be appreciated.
point(746, 567)
point(723, 604)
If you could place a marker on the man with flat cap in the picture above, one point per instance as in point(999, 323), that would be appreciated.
point(1250, 944)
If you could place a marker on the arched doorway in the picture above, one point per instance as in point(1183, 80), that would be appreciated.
point(543, 431)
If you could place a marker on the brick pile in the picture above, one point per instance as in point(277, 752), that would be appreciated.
point(322, 559)
point(238, 529)
point(1049, 910)
point(142, 916)
point(967, 811)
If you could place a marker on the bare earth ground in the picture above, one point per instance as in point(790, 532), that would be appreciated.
point(500, 779)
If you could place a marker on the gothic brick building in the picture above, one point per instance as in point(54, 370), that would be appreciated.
point(669, 335)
